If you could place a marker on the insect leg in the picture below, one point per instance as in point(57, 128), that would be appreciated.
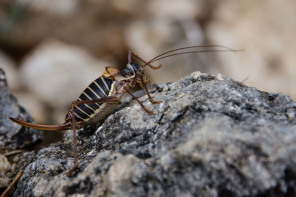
point(74, 141)
point(129, 57)
point(110, 99)
point(145, 87)
point(134, 97)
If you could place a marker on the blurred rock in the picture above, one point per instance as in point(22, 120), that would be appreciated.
point(174, 9)
point(9, 66)
point(171, 25)
point(109, 28)
point(264, 29)
point(153, 37)
point(4, 168)
point(57, 73)
point(58, 8)
point(96, 26)
point(128, 7)
point(211, 136)
point(34, 106)
point(13, 136)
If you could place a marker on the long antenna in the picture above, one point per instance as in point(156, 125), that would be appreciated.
point(167, 54)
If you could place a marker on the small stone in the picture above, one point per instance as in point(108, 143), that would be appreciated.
point(220, 77)
point(4, 164)
point(198, 74)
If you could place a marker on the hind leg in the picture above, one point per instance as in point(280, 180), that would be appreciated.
point(110, 99)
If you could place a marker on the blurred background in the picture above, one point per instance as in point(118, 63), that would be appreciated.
point(52, 49)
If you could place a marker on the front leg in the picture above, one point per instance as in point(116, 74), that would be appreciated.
point(134, 97)
point(145, 87)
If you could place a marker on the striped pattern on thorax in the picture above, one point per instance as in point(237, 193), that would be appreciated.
point(99, 88)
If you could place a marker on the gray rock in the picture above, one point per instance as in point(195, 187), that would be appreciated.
point(7, 64)
point(13, 136)
point(211, 136)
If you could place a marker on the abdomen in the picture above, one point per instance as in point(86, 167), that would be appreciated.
point(94, 112)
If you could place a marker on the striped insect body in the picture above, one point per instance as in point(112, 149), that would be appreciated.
point(86, 113)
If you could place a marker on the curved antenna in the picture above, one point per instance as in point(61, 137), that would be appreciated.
point(188, 52)
point(164, 55)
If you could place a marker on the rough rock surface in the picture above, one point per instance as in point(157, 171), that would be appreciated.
point(12, 136)
point(211, 136)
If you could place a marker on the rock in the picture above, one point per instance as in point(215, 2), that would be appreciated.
point(211, 136)
point(9, 66)
point(64, 8)
point(13, 136)
point(264, 30)
point(187, 9)
point(171, 25)
point(107, 29)
point(35, 107)
point(4, 168)
point(154, 37)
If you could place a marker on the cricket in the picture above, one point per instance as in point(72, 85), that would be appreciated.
point(101, 97)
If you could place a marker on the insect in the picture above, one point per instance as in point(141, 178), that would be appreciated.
point(100, 98)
